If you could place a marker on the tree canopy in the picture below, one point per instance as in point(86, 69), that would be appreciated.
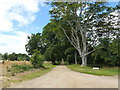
point(79, 32)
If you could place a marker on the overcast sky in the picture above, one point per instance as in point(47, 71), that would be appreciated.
point(19, 18)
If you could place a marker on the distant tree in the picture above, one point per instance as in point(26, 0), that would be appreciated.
point(5, 56)
point(72, 55)
point(22, 57)
point(12, 56)
point(55, 52)
point(1, 56)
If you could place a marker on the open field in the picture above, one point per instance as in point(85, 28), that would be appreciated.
point(105, 71)
point(8, 64)
point(7, 79)
point(4, 75)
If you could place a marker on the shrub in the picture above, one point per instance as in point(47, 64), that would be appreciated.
point(37, 59)
point(66, 62)
point(20, 68)
point(57, 62)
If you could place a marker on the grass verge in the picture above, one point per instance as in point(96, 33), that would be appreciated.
point(105, 71)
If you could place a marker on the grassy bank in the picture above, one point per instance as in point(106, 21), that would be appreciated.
point(105, 71)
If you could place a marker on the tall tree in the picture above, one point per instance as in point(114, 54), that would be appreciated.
point(80, 22)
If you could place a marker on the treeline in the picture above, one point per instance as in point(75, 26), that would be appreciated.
point(15, 57)
point(63, 38)
point(54, 49)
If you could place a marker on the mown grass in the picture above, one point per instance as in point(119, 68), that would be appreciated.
point(104, 71)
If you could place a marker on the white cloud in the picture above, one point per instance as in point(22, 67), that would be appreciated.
point(15, 14)
point(13, 43)
point(22, 11)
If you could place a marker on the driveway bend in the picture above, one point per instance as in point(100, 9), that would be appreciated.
point(62, 77)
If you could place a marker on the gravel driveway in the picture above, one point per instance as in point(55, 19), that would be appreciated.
point(62, 77)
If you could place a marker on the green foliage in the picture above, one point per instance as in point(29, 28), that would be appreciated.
point(55, 46)
point(84, 27)
point(14, 57)
point(70, 55)
point(37, 59)
point(55, 52)
point(20, 68)
point(35, 42)
point(66, 63)
point(48, 67)
point(5, 56)
point(55, 41)
point(0, 56)
point(22, 57)
point(107, 53)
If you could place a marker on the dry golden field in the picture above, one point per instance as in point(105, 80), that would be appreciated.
point(5, 76)
point(15, 62)
point(8, 64)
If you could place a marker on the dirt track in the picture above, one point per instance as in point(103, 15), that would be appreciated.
point(62, 77)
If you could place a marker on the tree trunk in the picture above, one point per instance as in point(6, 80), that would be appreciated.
point(75, 57)
point(84, 61)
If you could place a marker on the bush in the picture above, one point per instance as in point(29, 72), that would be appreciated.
point(66, 62)
point(37, 59)
point(20, 68)
point(57, 62)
